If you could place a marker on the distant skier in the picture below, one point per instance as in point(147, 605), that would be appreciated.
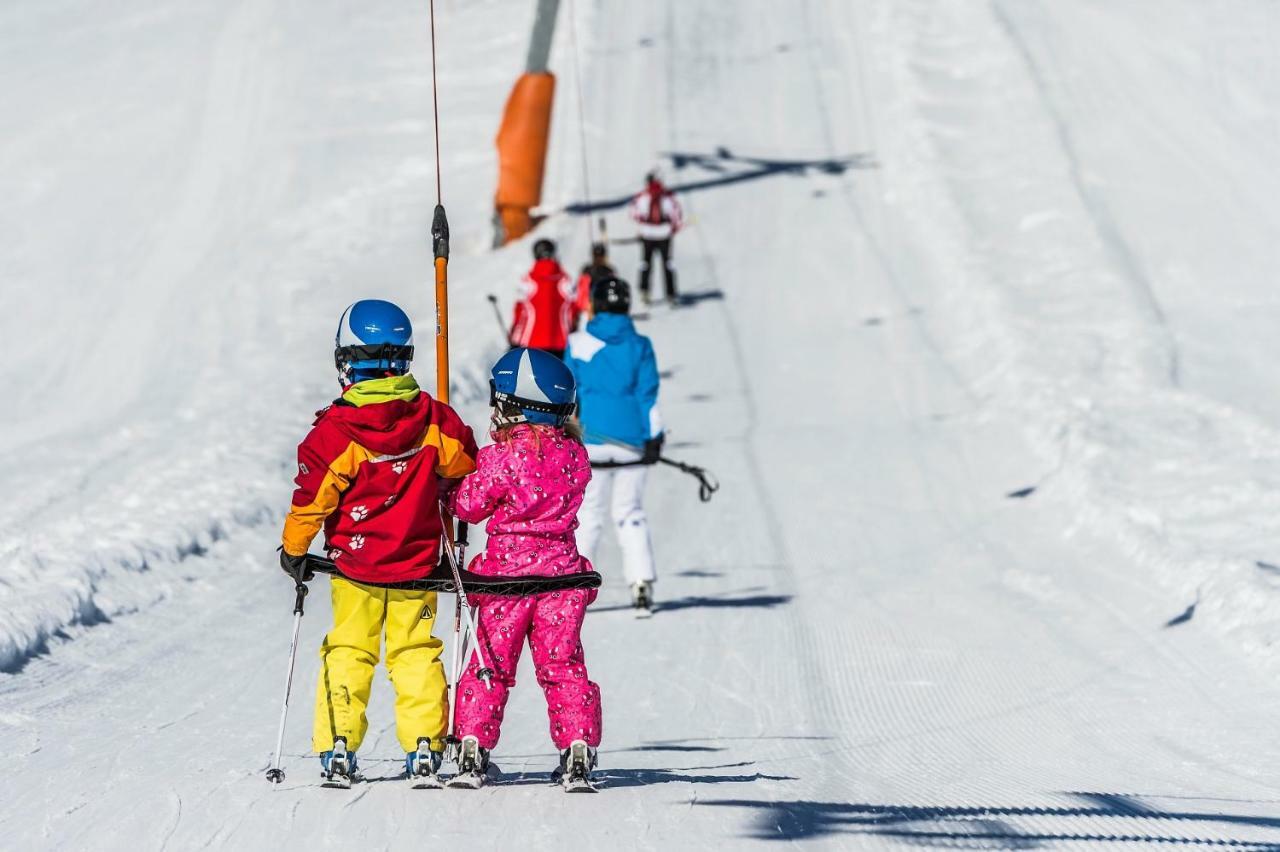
point(369, 474)
point(617, 378)
point(544, 312)
point(658, 218)
point(598, 269)
point(529, 483)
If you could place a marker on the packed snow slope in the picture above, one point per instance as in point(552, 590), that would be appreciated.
point(938, 253)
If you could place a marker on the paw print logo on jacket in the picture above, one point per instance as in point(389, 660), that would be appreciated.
point(399, 467)
point(359, 513)
point(357, 542)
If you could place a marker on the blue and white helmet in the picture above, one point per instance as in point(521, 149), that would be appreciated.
point(532, 386)
point(375, 339)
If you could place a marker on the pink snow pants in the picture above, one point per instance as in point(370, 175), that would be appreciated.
point(552, 622)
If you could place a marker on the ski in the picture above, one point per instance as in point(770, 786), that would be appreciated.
point(579, 785)
point(337, 782)
point(642, 599)
point(574, 772)
point(422, 767)
point(473, 766)
point(428, 782)
point(339, 766)
point(472, 780)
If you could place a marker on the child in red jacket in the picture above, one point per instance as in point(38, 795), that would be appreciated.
point(368, 474)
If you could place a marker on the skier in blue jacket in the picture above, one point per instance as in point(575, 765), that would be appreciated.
point(617, 377)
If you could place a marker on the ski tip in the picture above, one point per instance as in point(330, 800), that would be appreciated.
point(581, 787)
point(470, 781)
point(425, 783)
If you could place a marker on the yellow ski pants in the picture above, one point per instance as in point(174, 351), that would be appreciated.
point(362, 615)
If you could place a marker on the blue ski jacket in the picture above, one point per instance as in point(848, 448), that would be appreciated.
point(617, 376)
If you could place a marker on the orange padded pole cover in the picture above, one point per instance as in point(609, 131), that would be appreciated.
point(522, 151)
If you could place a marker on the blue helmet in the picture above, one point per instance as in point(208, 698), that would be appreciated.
point(375, 338)
point(532, 386)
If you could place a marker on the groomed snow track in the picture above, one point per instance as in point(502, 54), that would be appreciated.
point(862, 641)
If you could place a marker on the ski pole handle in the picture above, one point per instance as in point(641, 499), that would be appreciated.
point(461, 538)
point(497, 315)
point(300, 595)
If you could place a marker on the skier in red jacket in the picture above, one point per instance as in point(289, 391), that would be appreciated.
point(545, 314)
point(372, 473)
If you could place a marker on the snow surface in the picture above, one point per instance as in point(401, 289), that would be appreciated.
point(1013, 245)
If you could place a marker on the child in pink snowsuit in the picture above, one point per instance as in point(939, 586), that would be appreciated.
point(529, 484)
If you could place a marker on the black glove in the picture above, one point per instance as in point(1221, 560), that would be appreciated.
point(445, 486)
point(295, 567)
point(653, 449)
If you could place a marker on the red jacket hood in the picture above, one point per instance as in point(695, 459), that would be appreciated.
point(390, 428)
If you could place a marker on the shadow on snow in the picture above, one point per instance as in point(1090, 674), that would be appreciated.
point(608, 778)
point(995, 827)
point(696, 296)
point(707, 602)
point(730, 169)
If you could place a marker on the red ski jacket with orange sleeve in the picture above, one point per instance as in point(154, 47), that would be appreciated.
point(369, 475)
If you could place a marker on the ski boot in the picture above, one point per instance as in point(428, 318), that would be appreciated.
point(338, 766)
point(642, 598)
point(422, 767)
point(574, 772)
point(473, 765)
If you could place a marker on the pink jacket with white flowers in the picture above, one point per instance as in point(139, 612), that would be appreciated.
point(530, 487)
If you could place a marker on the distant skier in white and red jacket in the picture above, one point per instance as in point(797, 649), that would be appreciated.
point(658, 218)
point(546, 311)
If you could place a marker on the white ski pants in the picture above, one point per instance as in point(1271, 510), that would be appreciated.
point(622, 488)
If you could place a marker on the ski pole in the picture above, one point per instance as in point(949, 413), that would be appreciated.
point(275, 774)
point(456, 656)
point(485, 673)
point(497, 315)
point(456, 660)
